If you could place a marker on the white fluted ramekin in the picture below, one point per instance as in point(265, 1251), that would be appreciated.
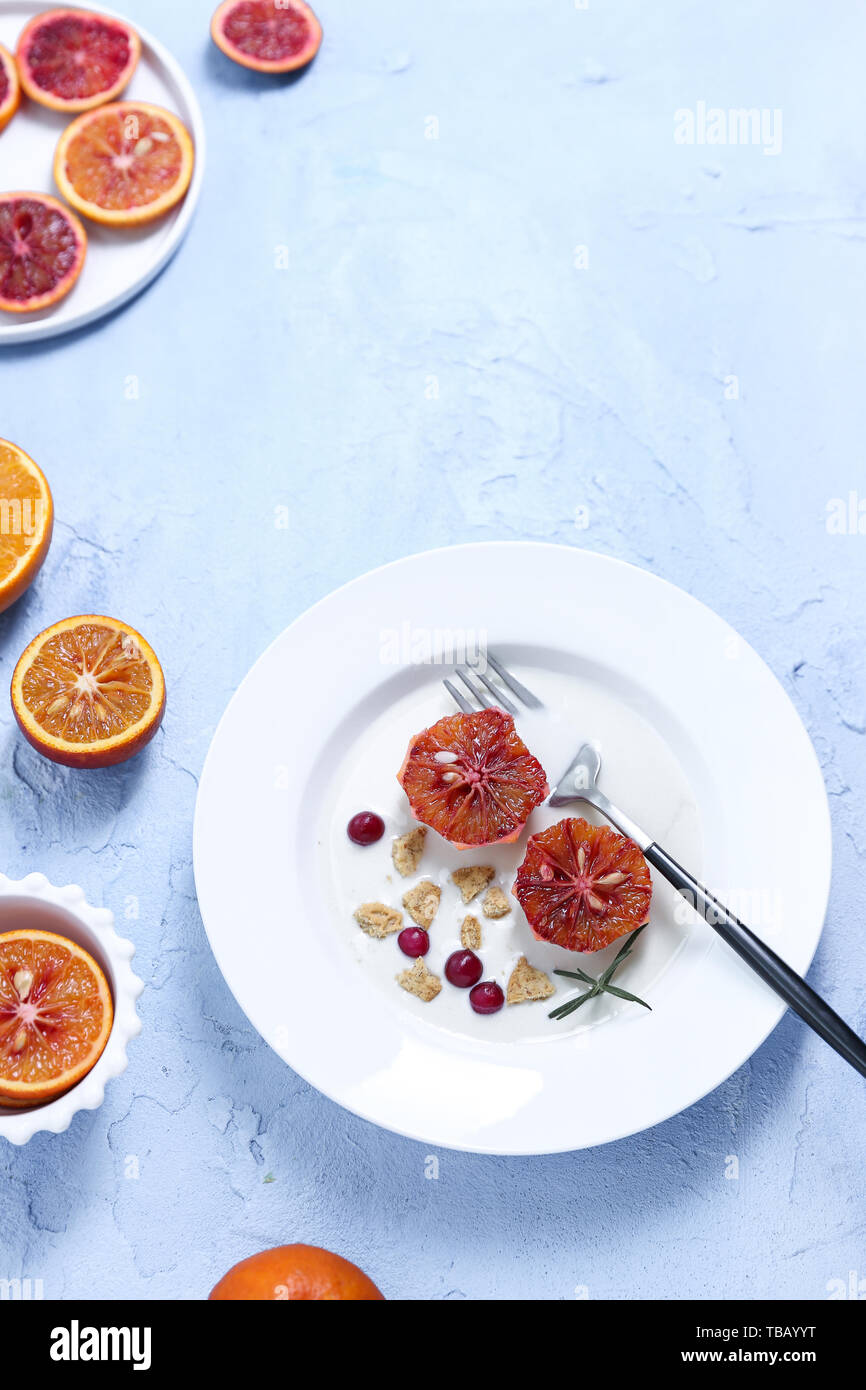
point(34, 902)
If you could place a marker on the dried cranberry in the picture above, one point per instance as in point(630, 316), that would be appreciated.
point(463, 969)
point(487, 998)
point(365, 828)
point(413, 941)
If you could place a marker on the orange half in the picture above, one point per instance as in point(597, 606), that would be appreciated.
point(42, 251)
point(10, 87)
point(88, 692)
point(272, 36)
point(125, 163)
point(73, 60)
point(26, 521)
point(55, 1016)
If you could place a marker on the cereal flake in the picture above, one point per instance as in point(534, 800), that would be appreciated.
point(495, 903)
point(526, 983)
point(407, 849)
point(420, 981)
point(471, 880)
point(378, 920)
point(422, 902)
point(470, 933)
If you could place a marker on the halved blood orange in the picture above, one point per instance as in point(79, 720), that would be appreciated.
point(267, 35)
point(56, 1014)
point(471, 778)
point(581, 886)
point(26, 521)
point(72, 60)
point(124, 164)
point(10, 87)
point(42, 250)
point(88, 692)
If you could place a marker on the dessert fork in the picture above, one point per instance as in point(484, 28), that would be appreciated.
point(500, 699)
point(579, 783)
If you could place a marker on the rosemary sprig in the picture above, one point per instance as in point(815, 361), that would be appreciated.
point(603, 984)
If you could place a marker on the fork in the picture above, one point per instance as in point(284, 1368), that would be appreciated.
point(580, 783)
point(500, 699)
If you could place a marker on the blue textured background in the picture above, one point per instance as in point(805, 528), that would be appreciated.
point(412, 259)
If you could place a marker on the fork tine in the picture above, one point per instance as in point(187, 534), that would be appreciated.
point(513, 684)
point(500, 699)
point(458, 699)
point(478, 694)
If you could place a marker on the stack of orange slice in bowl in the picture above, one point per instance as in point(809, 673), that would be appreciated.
point(67, 1005)
point(56, 1013)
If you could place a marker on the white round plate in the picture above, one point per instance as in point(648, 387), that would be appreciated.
point(699, 743)
point(120, 261)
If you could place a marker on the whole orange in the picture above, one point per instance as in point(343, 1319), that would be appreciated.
point(296, 1272)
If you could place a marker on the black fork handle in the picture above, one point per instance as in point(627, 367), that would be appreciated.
point(772, 969)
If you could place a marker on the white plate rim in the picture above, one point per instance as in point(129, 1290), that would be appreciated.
point(13, 334)
point(770, 1008)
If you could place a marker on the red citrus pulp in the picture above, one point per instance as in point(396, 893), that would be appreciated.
point(267, 35)
point(42, 250)
point(10, 88)
point(72, 60)
point(471, 778)
point(581, 886)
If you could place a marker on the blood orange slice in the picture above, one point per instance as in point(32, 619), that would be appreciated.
point(88, 692)
point(471, 778)
point(124, 164)
point(267, 35)
point(10, 88)
point(42, 250)
point(55, 1016)
point(26, 521)
point(72, 60)
point(581, 886)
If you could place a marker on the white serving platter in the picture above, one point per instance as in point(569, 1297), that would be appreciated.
point(120, 262)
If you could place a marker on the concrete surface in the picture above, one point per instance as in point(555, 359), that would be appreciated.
point(460, 281)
